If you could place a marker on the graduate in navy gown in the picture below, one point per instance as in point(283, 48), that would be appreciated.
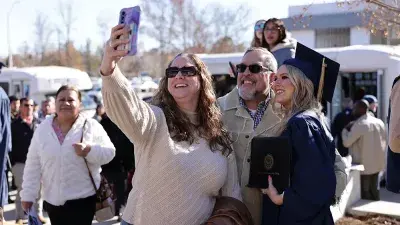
point(300, 85)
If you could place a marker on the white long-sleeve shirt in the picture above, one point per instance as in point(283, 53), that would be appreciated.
point(63, 173)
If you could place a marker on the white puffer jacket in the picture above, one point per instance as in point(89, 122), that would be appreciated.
point(64, 174)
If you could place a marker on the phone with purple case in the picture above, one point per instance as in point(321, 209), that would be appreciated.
point(130, 17)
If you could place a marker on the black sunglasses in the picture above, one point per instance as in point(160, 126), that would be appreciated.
point(188, 71)
point(254, 68)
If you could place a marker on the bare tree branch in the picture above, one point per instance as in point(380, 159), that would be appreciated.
point(43, 33)
point(159, 23)
point(104, 28)
point(65, 9)
point(232, 23)
point(384, 5)
point(378, 16)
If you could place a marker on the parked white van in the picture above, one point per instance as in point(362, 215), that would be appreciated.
point(39, 82)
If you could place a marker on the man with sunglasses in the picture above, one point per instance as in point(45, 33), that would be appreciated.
point(22, 132)
point(247, 113)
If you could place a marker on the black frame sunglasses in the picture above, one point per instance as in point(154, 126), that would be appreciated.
point(187, 71)
point(253, 68)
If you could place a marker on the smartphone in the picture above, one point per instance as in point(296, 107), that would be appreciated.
point(233, 69)
point(131, 18)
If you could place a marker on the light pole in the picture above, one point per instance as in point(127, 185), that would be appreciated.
point(10, 57)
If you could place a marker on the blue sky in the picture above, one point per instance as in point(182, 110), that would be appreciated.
point(87, 12)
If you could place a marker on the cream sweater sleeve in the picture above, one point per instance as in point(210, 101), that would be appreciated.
point(103, 150)
point(136, 118)
point(231, 187)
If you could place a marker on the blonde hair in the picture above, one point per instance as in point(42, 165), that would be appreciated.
point(303, 98)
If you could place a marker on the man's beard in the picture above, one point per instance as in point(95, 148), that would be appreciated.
point(247, 94)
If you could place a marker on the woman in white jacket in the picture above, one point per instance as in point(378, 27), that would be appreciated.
point(55, 160)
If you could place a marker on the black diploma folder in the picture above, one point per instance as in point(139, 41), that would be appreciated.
point(270, 156)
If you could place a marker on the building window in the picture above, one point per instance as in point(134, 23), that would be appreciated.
point(378, 38)
point(332, 37)
point(395, 41)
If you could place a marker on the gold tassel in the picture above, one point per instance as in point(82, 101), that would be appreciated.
point(321, 81)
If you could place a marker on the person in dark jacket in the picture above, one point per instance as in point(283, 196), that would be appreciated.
point(22, 132)
point(116, 171)
point(5, 148)
point(99, 112)
point(311, 192)
point(14, 105)
point(340, 121)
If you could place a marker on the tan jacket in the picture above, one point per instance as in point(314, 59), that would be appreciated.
point(394, 125)
point(240, 126)
point(366, 141)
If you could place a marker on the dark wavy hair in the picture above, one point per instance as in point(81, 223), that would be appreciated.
point(210, 125)
point(282, 32)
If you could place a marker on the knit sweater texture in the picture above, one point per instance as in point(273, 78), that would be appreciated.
point(174, 182)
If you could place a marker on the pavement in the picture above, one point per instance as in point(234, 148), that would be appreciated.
point(9, 215)
point(389, 205)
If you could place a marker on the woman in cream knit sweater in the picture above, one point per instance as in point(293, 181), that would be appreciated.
point(183, 155)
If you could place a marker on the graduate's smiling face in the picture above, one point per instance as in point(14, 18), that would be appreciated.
point(283, 87)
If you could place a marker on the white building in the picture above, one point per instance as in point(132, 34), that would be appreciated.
point(326, 25)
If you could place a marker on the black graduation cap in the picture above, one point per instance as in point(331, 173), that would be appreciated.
point(321, 70)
